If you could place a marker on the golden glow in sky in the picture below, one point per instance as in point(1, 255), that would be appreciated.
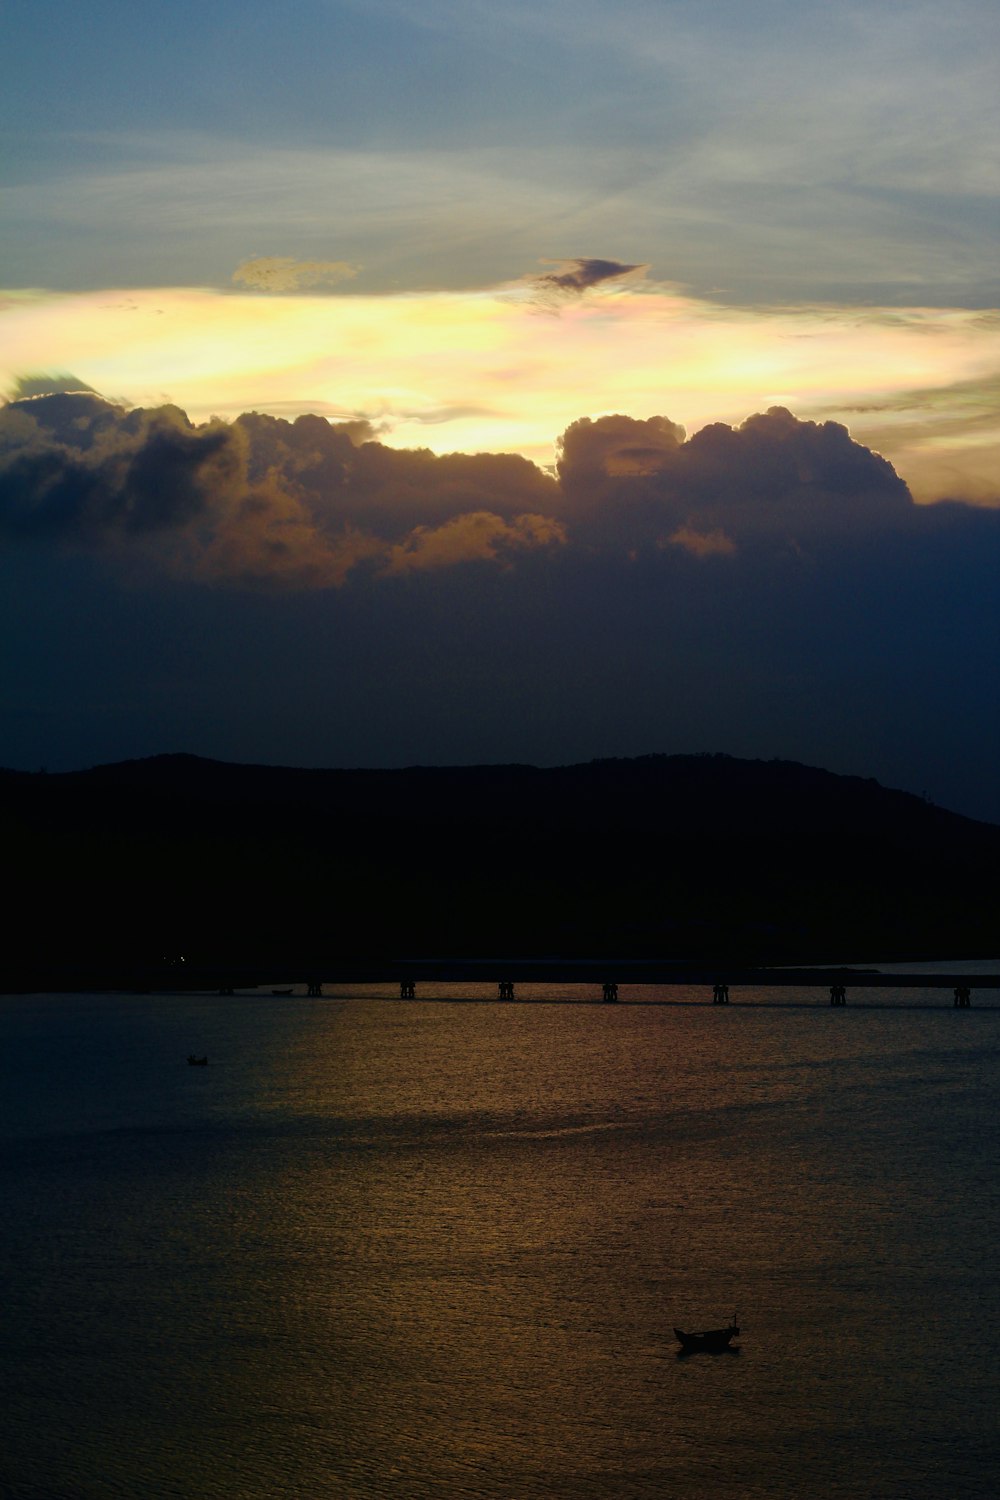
point(504, 370)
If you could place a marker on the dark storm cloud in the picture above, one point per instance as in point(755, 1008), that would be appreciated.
point(640, 484)
point(765, 589)
point(305, 504)
point(74, 465)
point(260, 501)
point(592, 451)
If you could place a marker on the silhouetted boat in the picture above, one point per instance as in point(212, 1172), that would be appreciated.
point(197, 1062)
point(289, 991)
point(709, 1341)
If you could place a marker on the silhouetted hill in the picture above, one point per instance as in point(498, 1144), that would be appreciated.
point(686, 856)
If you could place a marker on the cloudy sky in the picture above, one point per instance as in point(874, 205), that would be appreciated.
point(394, 383)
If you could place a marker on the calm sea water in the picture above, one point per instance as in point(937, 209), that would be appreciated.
point(428, 1249)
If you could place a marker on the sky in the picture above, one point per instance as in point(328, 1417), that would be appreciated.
point(392, 383)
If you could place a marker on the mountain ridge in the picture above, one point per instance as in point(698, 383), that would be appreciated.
point(696, 855)
point(183, 771)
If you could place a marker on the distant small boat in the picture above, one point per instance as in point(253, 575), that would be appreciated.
point(290, 991)
point(709, 1341)
point(197, 1062)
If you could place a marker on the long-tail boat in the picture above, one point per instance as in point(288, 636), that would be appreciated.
point(709, 1340)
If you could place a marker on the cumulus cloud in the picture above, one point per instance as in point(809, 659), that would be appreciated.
point(639, 484)
point(278, 273)
point(595, 450)
point(766, 588)
point(478, 534)
point(309, 504)
point(261, 501)
point(74, 465)
point(701, 543)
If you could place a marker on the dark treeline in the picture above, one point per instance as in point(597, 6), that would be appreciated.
point(703, 857)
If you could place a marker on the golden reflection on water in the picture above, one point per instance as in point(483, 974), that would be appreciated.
point(421, 1249)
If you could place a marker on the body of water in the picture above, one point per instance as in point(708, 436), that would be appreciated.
point(429, 1249)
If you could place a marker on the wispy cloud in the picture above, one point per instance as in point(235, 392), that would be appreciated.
point(282, 273)
point(805, 204)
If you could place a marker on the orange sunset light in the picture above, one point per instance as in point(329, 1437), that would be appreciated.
point(471, 371)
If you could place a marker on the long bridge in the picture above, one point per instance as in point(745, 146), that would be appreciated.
point(597, 978)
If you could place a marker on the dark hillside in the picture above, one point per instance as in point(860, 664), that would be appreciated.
point(686, 856)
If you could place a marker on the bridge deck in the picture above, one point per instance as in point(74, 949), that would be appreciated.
point(288, 970)
point(559, 972)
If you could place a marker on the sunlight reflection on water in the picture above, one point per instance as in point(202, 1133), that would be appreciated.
point(425, 1249)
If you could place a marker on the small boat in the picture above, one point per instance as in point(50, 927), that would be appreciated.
point(197, 1062)
point(290, 991)
point(709, 1340)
